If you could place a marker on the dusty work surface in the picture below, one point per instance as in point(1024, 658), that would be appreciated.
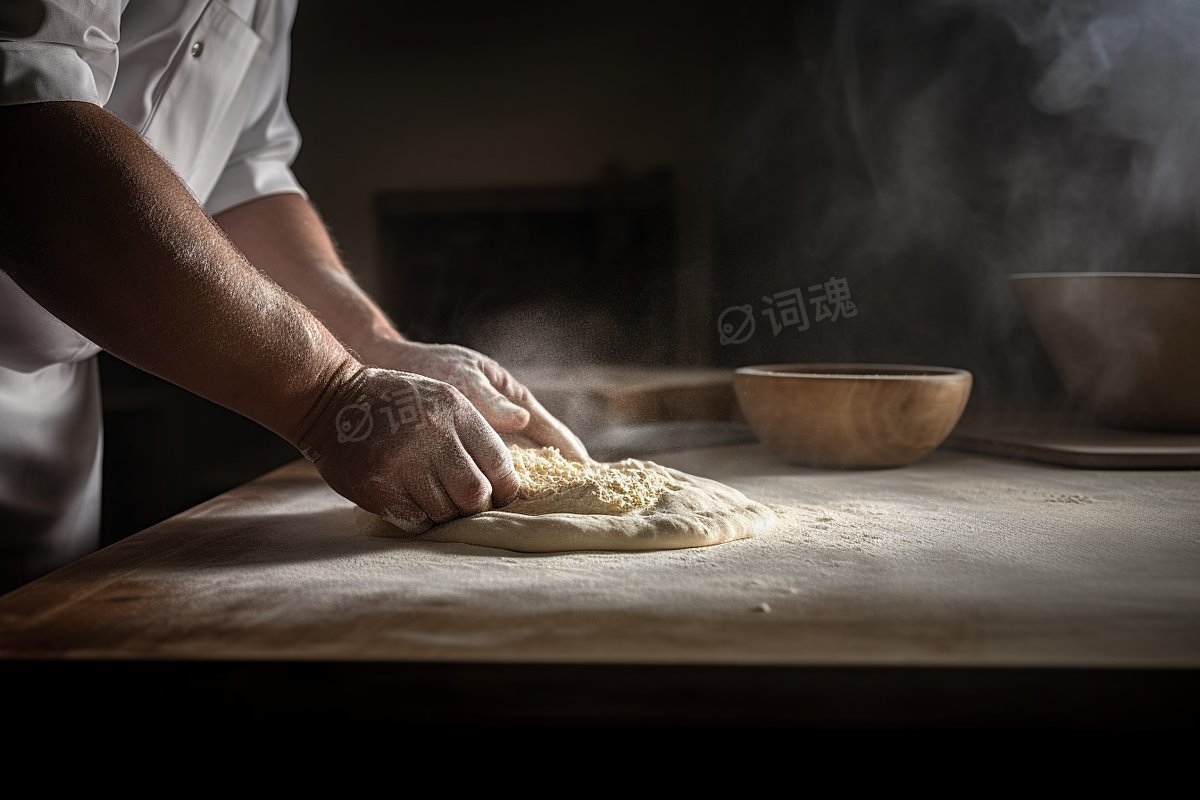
point(959, 560)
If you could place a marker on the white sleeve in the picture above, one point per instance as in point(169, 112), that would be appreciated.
point(261, 160)
point(58, 50)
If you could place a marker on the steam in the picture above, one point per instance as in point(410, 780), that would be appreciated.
point(930, 148)
point(1099, 171)
point(1128, 69)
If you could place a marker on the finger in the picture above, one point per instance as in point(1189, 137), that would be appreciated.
point(427, 492)
point(503, 414)
point(543, 428)
point(547, 431)
point(490, 454)
point(464, 482)
point(407, 516)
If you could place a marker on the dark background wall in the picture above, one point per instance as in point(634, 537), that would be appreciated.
point(920, 151)
point(469, 96)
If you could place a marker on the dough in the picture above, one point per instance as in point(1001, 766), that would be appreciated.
point(628, 505)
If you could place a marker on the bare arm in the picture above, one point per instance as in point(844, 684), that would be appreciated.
point(283, 236)
point(97, 229)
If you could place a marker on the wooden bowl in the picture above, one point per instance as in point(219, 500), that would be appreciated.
point(1126, 345)
point(851, 415)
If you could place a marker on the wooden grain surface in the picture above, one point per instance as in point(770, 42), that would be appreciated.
point(957, 560)
point(851, 415)
point(590, 398)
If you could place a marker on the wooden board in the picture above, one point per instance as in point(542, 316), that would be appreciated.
point(1072, 443)
point(961, 590)
point(958, 560)
point(592, 398)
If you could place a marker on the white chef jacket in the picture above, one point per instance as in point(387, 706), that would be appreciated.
point(205, 83)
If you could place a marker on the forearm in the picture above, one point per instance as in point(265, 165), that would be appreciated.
point(284, 237)
point(97, 229)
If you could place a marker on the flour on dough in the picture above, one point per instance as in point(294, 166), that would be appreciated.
point(628, 505)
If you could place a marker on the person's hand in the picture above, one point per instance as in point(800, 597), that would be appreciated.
point(508, 406)
point(409, 448)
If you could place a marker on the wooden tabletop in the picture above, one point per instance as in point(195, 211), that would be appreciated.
point(961, 564)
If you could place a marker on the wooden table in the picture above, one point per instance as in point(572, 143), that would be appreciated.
point(961, 590)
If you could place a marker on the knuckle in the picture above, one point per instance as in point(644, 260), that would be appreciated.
point(471, 493)
point(506, 383)
point(453, 397)
point(469, 490)
point(443, 396)
point(505, 489)
point(479, 494)
point(518, 392)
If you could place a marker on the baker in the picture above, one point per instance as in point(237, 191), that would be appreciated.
point(121, 123)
